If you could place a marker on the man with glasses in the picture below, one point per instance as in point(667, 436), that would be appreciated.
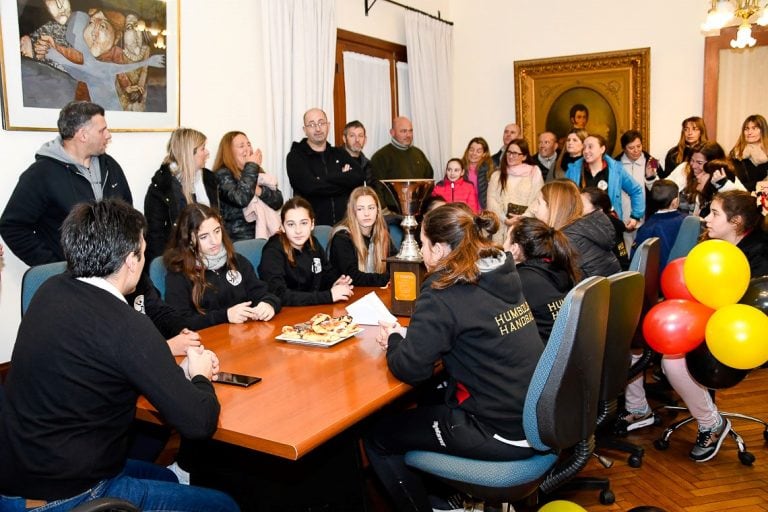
point(321, 173)
point(399, 159)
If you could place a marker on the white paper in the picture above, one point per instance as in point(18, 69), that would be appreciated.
point(369, 310)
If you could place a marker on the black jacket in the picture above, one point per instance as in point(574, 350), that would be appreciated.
point(343, 257)
point(225, 290)
point(544, 287)
point(755, 248)
point(163, 204)
point(42, 199)
point(237, 194)
point(593, 238)
point(146, 299)
point(749, 173)
point(485, 335)
point(307, 283)
point(319, 178)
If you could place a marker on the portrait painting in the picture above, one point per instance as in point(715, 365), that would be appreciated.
point(603, 93)
point(121, 54)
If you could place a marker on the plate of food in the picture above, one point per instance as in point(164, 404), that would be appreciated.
point(321, 330)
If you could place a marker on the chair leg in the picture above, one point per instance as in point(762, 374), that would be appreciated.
point(635, 459)
point(583, 483)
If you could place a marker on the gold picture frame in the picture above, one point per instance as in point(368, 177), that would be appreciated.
point(614, 86)
point(131, 69)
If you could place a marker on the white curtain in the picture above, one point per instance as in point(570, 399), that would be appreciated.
point(430, 54)
point(742, 85)
point(299, 52)
point(403, 90)
point(369, 97)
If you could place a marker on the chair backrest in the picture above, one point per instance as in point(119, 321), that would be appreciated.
point(687, 237)
point(396, 235)
point(562, 400)
point(626, 304)
point(322, 233)
point(157, 273)
point(251, 249)
point(647, 261)
point(34, 277)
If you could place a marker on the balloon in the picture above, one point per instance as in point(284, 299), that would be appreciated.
point(672, 281)
point(675, 326)
point(716, 273)
point(562, 506)
point(737, 335)
point(757, 294)
point(709, 372)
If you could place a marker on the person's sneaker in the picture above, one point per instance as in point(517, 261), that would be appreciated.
point(708, 441)
point(181, 475)
point(455, 503)
point(629, 421)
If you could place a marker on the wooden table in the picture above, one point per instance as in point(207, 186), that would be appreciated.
point(307, 395)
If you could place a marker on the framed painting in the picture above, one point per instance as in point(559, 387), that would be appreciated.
point(605, 93)
point(121, 54)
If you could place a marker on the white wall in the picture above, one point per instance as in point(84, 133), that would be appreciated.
point(222, 78)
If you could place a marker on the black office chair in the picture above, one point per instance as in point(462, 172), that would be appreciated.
point(559, 415)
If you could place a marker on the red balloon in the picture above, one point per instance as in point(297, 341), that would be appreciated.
point(673, 281)
point(676, 326)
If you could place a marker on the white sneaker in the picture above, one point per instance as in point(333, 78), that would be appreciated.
point(181, 475)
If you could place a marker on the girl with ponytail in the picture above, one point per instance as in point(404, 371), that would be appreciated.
point(472, 315)
point(546, 262)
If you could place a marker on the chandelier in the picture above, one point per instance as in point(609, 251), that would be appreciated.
point(721, 12)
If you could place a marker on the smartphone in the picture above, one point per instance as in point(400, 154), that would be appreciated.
point(236, 379)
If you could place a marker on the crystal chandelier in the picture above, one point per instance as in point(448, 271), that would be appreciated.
point(721, 12)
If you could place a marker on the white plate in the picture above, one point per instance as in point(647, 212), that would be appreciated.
point(286, 338)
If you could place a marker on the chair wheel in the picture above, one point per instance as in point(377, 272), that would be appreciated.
point(746, 458)
point(657, 421)
point(607, 497)
point(635, 461)
point(765, 435)
point(661, 444)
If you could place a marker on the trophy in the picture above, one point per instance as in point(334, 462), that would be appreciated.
point(406, 270)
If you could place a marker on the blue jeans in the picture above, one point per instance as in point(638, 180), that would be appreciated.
point(148, 486)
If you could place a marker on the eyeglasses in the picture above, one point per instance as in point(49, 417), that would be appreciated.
point(514, 153)
point(319, 124)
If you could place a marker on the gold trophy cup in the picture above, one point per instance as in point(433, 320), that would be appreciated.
point(406, 270)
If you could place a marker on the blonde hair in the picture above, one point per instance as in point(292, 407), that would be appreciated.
point(379, 232)
point(564, 201)
point(182, 146)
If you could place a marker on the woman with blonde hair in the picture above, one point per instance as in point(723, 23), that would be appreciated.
point(572, 146)
point(181, 180)
point(560, 206)
point(478, 164)
point(692, 133)
point(359, 245)
point(750, 154)
point(243, 184)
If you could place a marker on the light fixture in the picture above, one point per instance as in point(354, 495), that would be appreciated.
point(722, 11)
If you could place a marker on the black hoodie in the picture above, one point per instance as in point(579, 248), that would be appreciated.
point(593, 237)
point(486, 336)
point(544, 287)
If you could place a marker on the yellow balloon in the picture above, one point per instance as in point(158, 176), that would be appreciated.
point(562, 506)
point(716, 273)
point(737, 335)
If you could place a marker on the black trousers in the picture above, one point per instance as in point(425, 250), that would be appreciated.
point(436, 428)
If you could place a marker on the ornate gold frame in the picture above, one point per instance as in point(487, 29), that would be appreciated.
point(621, 78)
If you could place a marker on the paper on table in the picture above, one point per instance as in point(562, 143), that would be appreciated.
point(369, 309)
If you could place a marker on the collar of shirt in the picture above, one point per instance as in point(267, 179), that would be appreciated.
point(100, 282)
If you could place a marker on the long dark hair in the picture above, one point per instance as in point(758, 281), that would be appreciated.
point(183, 253)
point(468, 236)
point(710, 151)
point(740, 203)
point(294, 203)
point(538, 241)
point(683, 150)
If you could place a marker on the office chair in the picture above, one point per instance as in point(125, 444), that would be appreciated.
point(627, 294)
point(687, 237)
point(34, 277)
point(251, 249)
point(323, 234)
point(560, 410)
point(157, 272)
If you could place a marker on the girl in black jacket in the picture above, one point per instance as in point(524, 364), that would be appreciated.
point(207, 281)
point(181, 180)
point(294, 265)
point(359, 245)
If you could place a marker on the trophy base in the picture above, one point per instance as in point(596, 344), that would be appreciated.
point(405, 279)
